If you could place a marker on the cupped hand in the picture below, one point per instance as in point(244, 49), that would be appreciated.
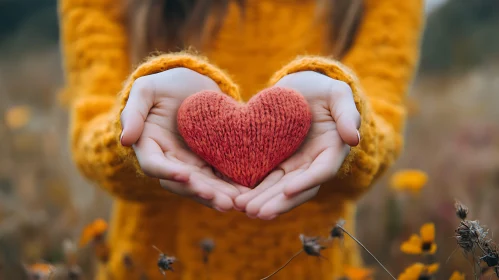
point(149, 122)
point(335, 123)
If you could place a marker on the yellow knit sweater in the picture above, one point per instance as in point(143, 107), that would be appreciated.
point(255, 51)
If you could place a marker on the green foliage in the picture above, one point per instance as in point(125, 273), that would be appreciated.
point(460, 35)
point(39, 15)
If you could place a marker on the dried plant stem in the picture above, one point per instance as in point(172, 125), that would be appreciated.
point(282, 267)
point(364, 247)
point(207, 270)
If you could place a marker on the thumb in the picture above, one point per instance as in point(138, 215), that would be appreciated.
point(133, 116)
point(348, 131)
point(346, 116)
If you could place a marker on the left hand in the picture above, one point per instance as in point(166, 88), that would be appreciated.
point(335, 123)
point(149, 122)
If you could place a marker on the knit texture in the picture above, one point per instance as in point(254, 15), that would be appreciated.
point(245, 141)
point(379, 67)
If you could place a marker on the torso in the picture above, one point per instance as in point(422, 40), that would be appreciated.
point(279, 31)
point(250, 49)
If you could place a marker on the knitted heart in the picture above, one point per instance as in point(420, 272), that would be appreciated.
point(245, 141)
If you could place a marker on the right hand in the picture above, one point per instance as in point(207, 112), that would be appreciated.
point(149, 122)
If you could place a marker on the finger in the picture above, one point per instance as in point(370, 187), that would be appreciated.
point(188, 189)
point(171, 144)
point(204, 194)
point(281, 204)
point(225, 188)
point(133, 116)
point(345, 112)
point(239, 187)
point(242, 189)
point(254, 205)
point(216, 184)
point(323, 168)
point(219, 202)
point(242, 200)
point(154, 164)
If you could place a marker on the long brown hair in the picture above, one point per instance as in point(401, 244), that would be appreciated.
point(170, 25)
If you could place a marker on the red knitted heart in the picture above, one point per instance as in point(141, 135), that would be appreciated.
point(245, 141)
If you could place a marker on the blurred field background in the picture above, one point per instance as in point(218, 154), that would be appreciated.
point(452, 135)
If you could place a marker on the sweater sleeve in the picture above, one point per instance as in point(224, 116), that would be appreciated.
point(379, 68)
point(96, 90)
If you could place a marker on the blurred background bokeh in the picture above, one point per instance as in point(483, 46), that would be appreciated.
point(452, 135)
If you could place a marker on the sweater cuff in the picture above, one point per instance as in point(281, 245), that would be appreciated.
point(361, 165)
point(162, 63)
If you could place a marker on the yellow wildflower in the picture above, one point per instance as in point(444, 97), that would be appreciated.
point(40, 271)
point(457, 276)
point(409, 179)
point(93, 231)
point(421, 244)
point(419, 271)
point(358, 273)
point(17, 116)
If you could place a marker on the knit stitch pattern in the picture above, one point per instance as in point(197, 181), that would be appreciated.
point(245, 141)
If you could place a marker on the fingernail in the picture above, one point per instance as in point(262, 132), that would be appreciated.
point(121, 138)
point(358, 135)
